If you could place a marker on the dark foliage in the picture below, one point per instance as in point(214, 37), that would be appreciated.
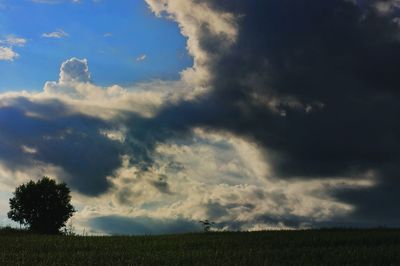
point(43, 206)
point(313, 247)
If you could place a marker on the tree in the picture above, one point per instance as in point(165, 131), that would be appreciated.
point(43, 206)
point(207, 225)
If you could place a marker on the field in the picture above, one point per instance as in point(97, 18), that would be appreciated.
point(319, 247)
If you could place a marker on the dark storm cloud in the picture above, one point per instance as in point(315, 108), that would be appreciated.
point(61, 138)
point(340, 55)
point(315, 83)
point(331, 53)
point(143, 225)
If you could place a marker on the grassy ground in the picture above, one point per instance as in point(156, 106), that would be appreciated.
point(323, 247)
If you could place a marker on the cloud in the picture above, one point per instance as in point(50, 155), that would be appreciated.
point(54, 1)
point(76, 125)
point(386, 6)
point(315, 102)
point(75, 86)
point(58, 34)
point(12, 40)
point(141, 58)
point(51, 133)
point(193, 16)
point(142, 225)
point(287, 119)
point(74, 70)
point(222, 178)
point(7, 54)
point(139, 173)
point(40, 129)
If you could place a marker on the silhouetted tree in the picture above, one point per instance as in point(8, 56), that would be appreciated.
point(44, 206)
point(206, 225)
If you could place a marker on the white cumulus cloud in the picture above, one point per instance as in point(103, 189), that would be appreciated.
point(7, 54)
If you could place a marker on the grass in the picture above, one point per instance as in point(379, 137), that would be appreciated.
point(319, 247)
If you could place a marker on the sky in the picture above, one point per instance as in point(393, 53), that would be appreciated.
point(124, 42)
point(256, 115)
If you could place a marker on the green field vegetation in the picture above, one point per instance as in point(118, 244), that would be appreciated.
point(320, 247)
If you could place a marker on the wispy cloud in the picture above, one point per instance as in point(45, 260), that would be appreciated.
point(58, 34)
point(141, 58)
point(54, 1)
point(12, 40)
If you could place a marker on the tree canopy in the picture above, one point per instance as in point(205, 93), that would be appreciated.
point(44, 206)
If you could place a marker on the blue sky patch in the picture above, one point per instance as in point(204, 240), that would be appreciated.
point(123, 41)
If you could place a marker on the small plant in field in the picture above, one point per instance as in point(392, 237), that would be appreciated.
point(43, 206)
point(69, 229)
point(206, 225)
point(84, 232)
